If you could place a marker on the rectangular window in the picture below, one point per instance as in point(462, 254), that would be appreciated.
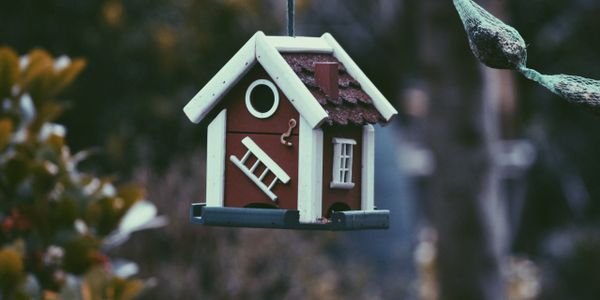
point(342, 163)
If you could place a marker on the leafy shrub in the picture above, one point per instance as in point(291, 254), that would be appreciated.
point(56, 222)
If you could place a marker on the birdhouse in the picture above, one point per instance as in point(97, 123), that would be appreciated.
point(290, 138)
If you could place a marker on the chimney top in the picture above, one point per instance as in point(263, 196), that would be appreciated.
point(326, 76)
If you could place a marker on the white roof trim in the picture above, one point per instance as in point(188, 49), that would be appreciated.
point(381, 103)
point(208, 97)
point(267, 51)
point(286, 44)
point(298, 94)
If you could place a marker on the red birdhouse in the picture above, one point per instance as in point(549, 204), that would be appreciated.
point(290, 140)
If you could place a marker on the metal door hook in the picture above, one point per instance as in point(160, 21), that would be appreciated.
point(292, 124)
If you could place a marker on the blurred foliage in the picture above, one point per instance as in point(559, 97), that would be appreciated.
point(202, 262)
point(53, 218)
point(559, 225)
point(146, 59)
point(563, 198)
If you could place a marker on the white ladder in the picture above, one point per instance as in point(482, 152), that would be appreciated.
point(270, 166)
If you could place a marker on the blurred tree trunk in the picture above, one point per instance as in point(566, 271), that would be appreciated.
point(462, 131)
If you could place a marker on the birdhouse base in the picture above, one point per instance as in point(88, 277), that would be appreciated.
point(286, 219)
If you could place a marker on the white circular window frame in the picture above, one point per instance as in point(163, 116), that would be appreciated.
point(251, 109)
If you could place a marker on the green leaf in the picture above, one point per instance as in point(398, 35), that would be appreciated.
point(80, 254)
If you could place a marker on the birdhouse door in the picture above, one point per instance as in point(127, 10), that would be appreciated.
point(261, 168)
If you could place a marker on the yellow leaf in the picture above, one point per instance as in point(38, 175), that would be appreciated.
point(9, 71)
point(95, 284)
point(6, 128)
point(37, 76)
point(302, 5)
point(39, 61)
point(56, 142)
point(67, 75)
point(126, 289)
point(130, 193)
point(50, 295)
point(112, 11)
point(86, 294)
point(11, 268)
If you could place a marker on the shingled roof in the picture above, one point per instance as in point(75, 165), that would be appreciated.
point(353, 106)
point(290, 61)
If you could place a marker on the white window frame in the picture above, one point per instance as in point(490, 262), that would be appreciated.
point(251, 109)
point(341, 175)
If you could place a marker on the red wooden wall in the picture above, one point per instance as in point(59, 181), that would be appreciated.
point(351, 197)
point(240, 191)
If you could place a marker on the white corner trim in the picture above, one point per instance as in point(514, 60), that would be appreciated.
point(285, 44)
point(381, 103)
point(215, 161)
point(368, 168)
point(251, 109)
point(208, 97)
point(289, 83)
point(310, 173)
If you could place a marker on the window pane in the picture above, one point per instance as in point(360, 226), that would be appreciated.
point(348, 164)
point(336, 162)
point(342, 163)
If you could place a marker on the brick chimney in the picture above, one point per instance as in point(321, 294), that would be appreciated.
point(326, 76)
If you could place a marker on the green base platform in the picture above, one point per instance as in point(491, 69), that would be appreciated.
point(286, 219)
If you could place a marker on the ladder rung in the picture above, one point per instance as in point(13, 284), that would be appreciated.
point(266, 160)
point(272, 183)
point(255, 165)
point(253, 177)
point(243, 160)
point(264, 173)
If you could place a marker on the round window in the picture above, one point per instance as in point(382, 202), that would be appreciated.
point(262, 98)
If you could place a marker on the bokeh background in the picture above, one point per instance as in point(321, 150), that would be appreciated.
point(493, 181)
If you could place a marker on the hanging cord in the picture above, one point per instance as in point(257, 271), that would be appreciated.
point(291, 4)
